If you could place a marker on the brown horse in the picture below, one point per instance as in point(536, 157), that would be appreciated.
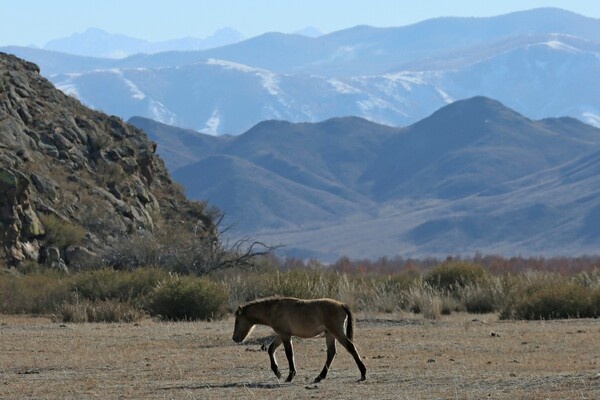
point(302, 318)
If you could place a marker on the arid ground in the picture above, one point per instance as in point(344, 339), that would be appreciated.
point(462, 356)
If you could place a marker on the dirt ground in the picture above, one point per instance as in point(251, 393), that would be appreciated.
point(462, 356)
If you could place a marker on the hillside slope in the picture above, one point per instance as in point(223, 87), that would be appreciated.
point(473, 176)
point(66, 168)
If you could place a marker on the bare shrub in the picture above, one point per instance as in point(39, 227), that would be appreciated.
point(432, 303)
point(198, 252)
point(303, 283)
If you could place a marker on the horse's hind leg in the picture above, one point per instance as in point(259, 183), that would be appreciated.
point(289, 353)
point(348, 345)
point(330, 340)
point(272, 347)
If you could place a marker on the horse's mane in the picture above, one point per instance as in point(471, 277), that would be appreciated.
point(265, 300)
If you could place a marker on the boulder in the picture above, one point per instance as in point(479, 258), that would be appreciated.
point(54, 261)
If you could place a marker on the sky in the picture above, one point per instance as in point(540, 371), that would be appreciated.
point(35, 22)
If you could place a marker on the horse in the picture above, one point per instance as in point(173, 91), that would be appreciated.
point(288, 317)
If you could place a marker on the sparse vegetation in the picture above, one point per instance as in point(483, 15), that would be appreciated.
point(100, 311)
point(60, 233)
point(122, 295)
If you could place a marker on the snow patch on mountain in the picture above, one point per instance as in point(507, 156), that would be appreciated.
point(270, 83)
point(211, 126)
point(373, 103)
point(445, 96)
point(69, 88)
point(160, 113)
point(342, 87)
point(591, 118)
point(558, 45)
point(270, 80)
point(136, 93)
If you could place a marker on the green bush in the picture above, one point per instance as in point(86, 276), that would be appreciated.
point(187, 298)
point(37, 293)
point(564, 300)
point(451, 276)
point(107, 284)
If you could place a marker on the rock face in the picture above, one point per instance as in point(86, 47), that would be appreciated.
point(73, 179)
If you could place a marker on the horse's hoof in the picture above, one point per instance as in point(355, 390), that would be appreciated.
point(362, 378)
point(317, 379)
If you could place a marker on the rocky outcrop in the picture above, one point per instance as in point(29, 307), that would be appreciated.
point(64, 167)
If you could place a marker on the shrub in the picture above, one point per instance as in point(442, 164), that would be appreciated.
point(99, 311)
point(383, 293)
point(60, 233)
point(244, 286)
point(567, 299)
point(36, 293)
point(107, 284)
point(187, 298)
point(303, 283)
point(484, 297)
point(421, 298)
point(451, 276)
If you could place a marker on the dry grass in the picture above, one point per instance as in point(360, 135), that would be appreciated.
point(456, 357)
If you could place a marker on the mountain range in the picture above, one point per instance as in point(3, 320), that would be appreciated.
point(473, 176)
point(542, 63)
point(95, 42)
point(373, 142)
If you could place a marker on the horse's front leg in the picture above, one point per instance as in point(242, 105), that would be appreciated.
point(289, 353)
point(272, 347)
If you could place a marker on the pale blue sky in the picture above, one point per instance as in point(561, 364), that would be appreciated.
point(34, 22)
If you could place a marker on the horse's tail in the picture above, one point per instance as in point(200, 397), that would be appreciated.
point(349, 323)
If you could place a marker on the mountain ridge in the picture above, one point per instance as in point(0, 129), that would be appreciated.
point(99, 43)
point(541, 62)
point(473, 176)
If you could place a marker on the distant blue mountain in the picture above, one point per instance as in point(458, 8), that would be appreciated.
point(473, 176)
point(542, 63)
point(94, 42)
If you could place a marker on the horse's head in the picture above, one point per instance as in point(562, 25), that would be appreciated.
point(243, 325)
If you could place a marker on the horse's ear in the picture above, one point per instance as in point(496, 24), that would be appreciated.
point(238, 311)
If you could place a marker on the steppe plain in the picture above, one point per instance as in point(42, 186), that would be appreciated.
point(461, 356)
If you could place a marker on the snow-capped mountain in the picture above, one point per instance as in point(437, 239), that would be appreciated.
point(218, 96)
point(543, 62)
